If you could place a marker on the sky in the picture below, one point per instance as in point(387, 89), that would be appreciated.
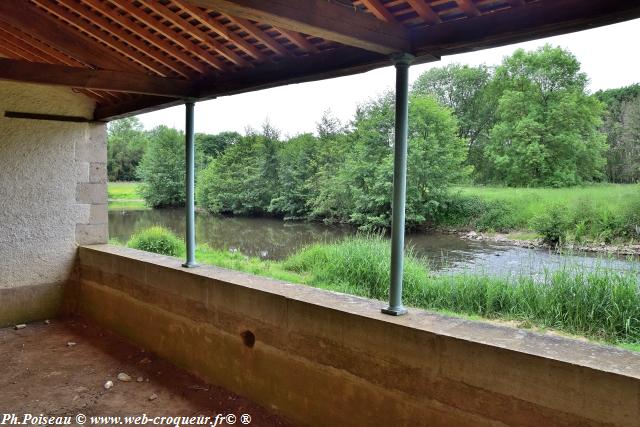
point(605, 54)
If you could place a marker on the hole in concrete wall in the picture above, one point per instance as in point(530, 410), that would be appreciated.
point(248, 338)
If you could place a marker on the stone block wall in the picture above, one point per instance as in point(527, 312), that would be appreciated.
point(53, 197)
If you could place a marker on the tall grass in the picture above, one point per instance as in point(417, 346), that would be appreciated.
point(599, 304)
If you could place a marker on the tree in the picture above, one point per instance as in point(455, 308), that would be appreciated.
point(547, 129)
point(244, 178)
point(297, 161)
point(620, 126)
point(126, 142)
point(162, 169)
point(468, 92)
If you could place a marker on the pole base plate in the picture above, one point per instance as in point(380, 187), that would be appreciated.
point(190, 265)
point(394, 311)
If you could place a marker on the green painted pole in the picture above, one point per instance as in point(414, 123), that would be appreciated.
point(402, 63)
point(190, 235)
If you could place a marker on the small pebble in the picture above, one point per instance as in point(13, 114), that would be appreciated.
point(71, 344)
point(124, 377)
point(153, 397)
point(47, 322)
point(20, 326)
point(108, 385)
point(139, 379)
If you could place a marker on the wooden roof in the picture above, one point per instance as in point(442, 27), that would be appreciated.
point(138, 55)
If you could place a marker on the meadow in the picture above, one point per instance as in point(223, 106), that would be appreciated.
point(125, 196)
point(601, 213)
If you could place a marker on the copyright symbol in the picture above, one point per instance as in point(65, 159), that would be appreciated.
point(231, 419)
point(81, 418)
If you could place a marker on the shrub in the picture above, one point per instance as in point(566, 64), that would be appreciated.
point(158, 240)
point(497, 216)
point(553, 224)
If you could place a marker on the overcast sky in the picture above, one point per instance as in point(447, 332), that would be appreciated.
point(606, 54)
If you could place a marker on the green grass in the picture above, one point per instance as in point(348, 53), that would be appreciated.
point(606, 212)
point(601, 305)
point(124, 196)
point(123, 190)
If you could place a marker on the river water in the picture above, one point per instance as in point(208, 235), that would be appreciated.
point(275, 239)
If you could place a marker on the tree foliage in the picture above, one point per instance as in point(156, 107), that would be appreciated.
point(468, 92)
point(622, 128)
point(547, 128)
point(126, 142)
point(162, 169)
point(342, 174)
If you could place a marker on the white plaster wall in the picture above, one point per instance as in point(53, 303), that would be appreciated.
point(39, 175)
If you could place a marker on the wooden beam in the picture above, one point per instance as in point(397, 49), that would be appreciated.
point(124, 37)
point(28, 18)
point(320, 18)
point(194, 31)
point(259, 35)
point(124, 49)
point(170, 34)
point(85, 78)
point(297, 39)
point(425, 12)
point(144, 33)
point(543, 18)
point(379, 10)
point(221, 30)
point(468, 7)
point(173, 57)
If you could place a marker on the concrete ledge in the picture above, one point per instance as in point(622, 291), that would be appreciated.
point(30, 303)
point(323, 358)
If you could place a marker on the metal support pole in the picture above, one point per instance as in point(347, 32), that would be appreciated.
point(401, 62)
point(190, 235)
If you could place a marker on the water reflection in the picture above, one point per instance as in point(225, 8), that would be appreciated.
point(274, 239)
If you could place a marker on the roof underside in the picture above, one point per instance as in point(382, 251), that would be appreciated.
point(132, 56)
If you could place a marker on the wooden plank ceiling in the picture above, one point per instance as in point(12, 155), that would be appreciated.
point(132, 56)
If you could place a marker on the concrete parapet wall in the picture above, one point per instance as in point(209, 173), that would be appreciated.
point(53, 194)
point(322, 358)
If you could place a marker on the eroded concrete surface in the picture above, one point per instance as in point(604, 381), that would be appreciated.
point(42, 371)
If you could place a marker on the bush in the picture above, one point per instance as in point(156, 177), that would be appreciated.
point(553, 224)
point(158, 240)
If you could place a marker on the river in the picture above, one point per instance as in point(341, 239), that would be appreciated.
point(275, 239)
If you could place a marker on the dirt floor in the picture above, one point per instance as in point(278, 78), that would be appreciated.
point(60, 369)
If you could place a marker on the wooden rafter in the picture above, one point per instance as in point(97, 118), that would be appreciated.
point(297, 39)
point(221, 30)
point(120, 47)
point(170, 34)
point(425, 11)
point(319, 18)
point(86, 78)
point(117, 32)
point(32, 43)
point(379, 10)
point(259, 35)
point(147, 35)
point(196, 32)
point(29, 19)
point(468, 7)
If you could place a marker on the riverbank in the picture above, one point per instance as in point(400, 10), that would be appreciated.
point(596, 219)
point(532, 241)
point(601, 304)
